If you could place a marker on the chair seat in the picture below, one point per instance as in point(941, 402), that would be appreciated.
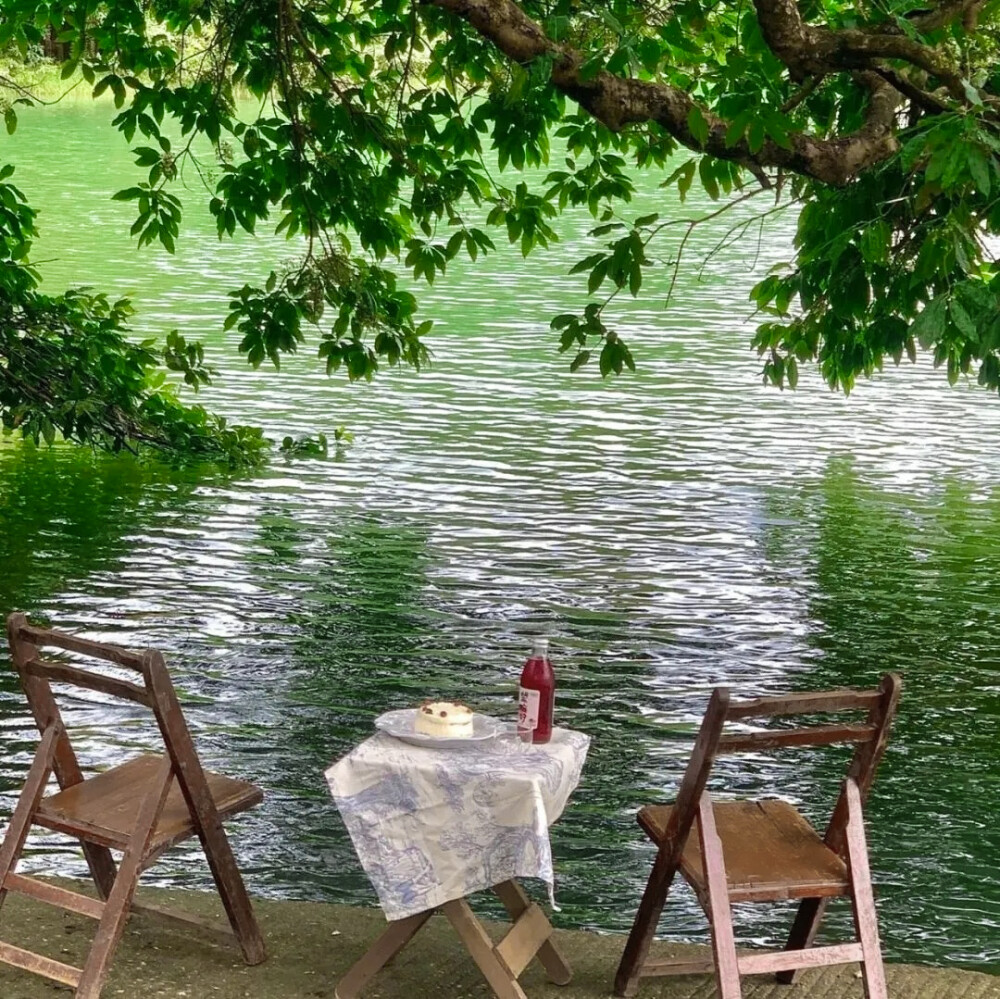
point(770, 850)
point(104, 809)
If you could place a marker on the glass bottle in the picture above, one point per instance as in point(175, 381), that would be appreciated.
point(536, 695)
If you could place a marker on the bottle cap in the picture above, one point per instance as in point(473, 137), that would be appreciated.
point(540, 646)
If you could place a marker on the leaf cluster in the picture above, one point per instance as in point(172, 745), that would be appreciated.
point(387, 135)
point(896, 263)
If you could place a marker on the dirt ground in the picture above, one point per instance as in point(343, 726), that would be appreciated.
point(311, 944)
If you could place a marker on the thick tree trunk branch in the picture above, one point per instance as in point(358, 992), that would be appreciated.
point(507, 26)
point(859, 49)
point(966, 11)
point(789, 37)
point(814, 51)
point(617, 101)
point(925, 101)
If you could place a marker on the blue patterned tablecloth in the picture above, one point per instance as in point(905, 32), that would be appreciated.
point(431, 825)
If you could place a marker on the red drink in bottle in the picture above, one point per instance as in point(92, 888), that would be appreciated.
point(536, 695)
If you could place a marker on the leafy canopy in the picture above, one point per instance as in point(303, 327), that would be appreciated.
point(395, 134)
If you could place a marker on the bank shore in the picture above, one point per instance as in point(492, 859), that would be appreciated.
point(311, 944)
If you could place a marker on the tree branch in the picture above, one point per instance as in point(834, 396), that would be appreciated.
point(803, 93)
point(789, 37)
point(928, 102)
point(967, 11)
point(618, 102)
point(860, 48)
point(807, 50)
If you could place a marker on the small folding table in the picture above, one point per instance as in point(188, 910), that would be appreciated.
point(432, 826)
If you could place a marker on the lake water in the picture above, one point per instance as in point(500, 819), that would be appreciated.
point(669, 531)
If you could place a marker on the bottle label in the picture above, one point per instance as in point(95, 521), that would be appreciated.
point(528, 704)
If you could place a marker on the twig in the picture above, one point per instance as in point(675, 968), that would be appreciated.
point(803, 93)
point(919, 97)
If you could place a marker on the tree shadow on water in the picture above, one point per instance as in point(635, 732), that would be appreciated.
point(355, 624)
point(373, 618)
point(911, 583)
point(68, 514)
point(370, 623)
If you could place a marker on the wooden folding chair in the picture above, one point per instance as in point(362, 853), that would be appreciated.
point(141, 808)
point(759, 851)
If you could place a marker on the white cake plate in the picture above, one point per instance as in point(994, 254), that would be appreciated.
point(399, 724)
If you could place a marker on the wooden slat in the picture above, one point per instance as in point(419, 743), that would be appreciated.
point(480, 946)
point(771, 852)
point(67, 768)
point(720, 915)
point(803, 704)
point(516, 902)
point(668, 857)
point(865, 919)
point(816, 735)
point(104, 809)
point(53, 895)
point(524, 939)
point(72, 643)
point(26, 960)
point(64, 673)
point(218, 932)
point(658, 968)
point(393, 939)
point(787, 960)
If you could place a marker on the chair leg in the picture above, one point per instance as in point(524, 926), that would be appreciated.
point(118, 904)
point(862, 898)
point(803, 933)
point(103, 868)
point(27, 804)
point(723, 939)
point(203, 812)
point(647, 918)
point(229, 883)
point(810, 913)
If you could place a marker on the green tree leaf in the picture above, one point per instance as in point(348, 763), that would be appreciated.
point(930, 324)
point(698, 125)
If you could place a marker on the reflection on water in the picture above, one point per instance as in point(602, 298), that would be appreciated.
point(669, 531)
point(905, 583)
point(65, 514)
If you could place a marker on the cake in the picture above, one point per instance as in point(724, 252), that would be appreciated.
point(444, 720)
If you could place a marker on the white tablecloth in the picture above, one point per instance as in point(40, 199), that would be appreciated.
point(431, 825)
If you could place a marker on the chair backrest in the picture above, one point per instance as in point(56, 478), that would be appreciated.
point(154, 690)
point(870, 738)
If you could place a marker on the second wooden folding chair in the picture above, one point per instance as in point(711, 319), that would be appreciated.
point(765, 850)
point(142, 807)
